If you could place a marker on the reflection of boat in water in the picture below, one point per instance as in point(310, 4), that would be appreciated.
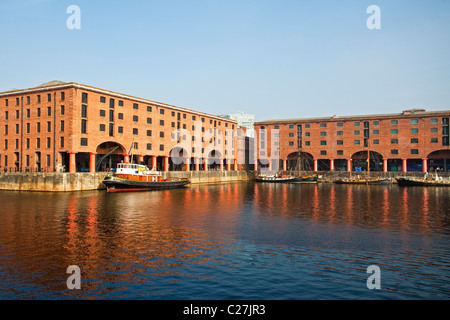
point(136, 177)
point(431, 181)
point(275, 178)
point(362, 180)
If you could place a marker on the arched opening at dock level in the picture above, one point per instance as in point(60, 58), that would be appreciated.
point(439, 159)
point(361, 159)
point(108, 155)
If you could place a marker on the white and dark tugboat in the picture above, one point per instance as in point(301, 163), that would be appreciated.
point(136, 177)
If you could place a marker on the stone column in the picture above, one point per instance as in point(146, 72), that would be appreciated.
point(72, 162)
point(404, 165)
point(187, 164)
point(316, 165)
point(166, 163)
point(349, 165)
point(425, 164)
point(153, 162)
point(92, 162)
point(221, 164)
point(284, 164)
point(331, 164)
point(197, 164)
point(385, 165)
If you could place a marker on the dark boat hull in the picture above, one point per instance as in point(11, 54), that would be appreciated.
point(422, 183)
point(275, 180)
point(118, 185)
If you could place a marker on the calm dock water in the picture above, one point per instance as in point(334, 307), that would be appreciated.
point(228, 241)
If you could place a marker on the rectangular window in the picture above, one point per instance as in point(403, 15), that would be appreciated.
point(414, 121)
point(102, 100)
point(111, 115)
point(49, 97)
point(356, 132)
point(49, 143)
point(28, 143)
point(357, 142)
point(62, 125)
point(84, 97)
point(102, 113)
point(135, 131)
point(291, 143)
point(323, 153)
point(323, 134)
point(394, 122)
point(63, 96)
point(340, 142)
point(102, 127)
point(414, 151)
point(161, 147)
point(307, 126)
point(62, 110)
point(84, 111)
point(376, 131)
point(84, 142)
point(61, 142)
point(376, 141)
point(149, 146)
point(48, 160)
point(6, 102)
point(322, 125)
point(394, 131)
point(376, 123)
point(28, 113)
point(161, 134)
point(38, 143)
point(340, 124)
point(161, 122)
point(135, 118)
point(149, 109)
point(340, 133)
point(38, 98)
point(356, 124)
point(291, 126)
point(414, 130)
point(135, 106)
point(28, 128)
point(340, 152)
point(434, 130)
point(394, 151)
point(49, 126)
point(120, 116)
point(445, 141)
point(161, 111)
point(307, 143)
point(414, 140)
point(120, 103)
point(111, 103)
point(83, 126)
point(38, 112)
point(111, 129)
point(149, 133)
point(120, 129)
point(38, 127)
point(49, 111)
point(434, 120)
point(394, 141)
point(434, 140)
point(323, 143)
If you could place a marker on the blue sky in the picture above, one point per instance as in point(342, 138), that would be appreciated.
point(277, 59)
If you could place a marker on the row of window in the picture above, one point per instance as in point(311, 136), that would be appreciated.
point(38, 113)
point(38, 98)
point(178, 115)
point(374, 132)
point(358, 142)
point(445, 121)
point(38, 143)
point(38, 127)
point(27, 159)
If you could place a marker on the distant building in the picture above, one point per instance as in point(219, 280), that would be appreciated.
point(245, 120)
point(413, 140)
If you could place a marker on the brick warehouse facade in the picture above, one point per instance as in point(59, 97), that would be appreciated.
point(414, 140)
point(74, 127)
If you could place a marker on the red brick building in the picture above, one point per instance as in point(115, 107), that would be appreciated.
point(414, 140)
point(75, 127)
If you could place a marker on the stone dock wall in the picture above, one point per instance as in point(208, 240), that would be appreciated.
point(62, 182)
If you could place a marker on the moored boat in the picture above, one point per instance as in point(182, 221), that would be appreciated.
point(275, 178)
point(361, 180)
point(412, 181)
point(136, 177)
